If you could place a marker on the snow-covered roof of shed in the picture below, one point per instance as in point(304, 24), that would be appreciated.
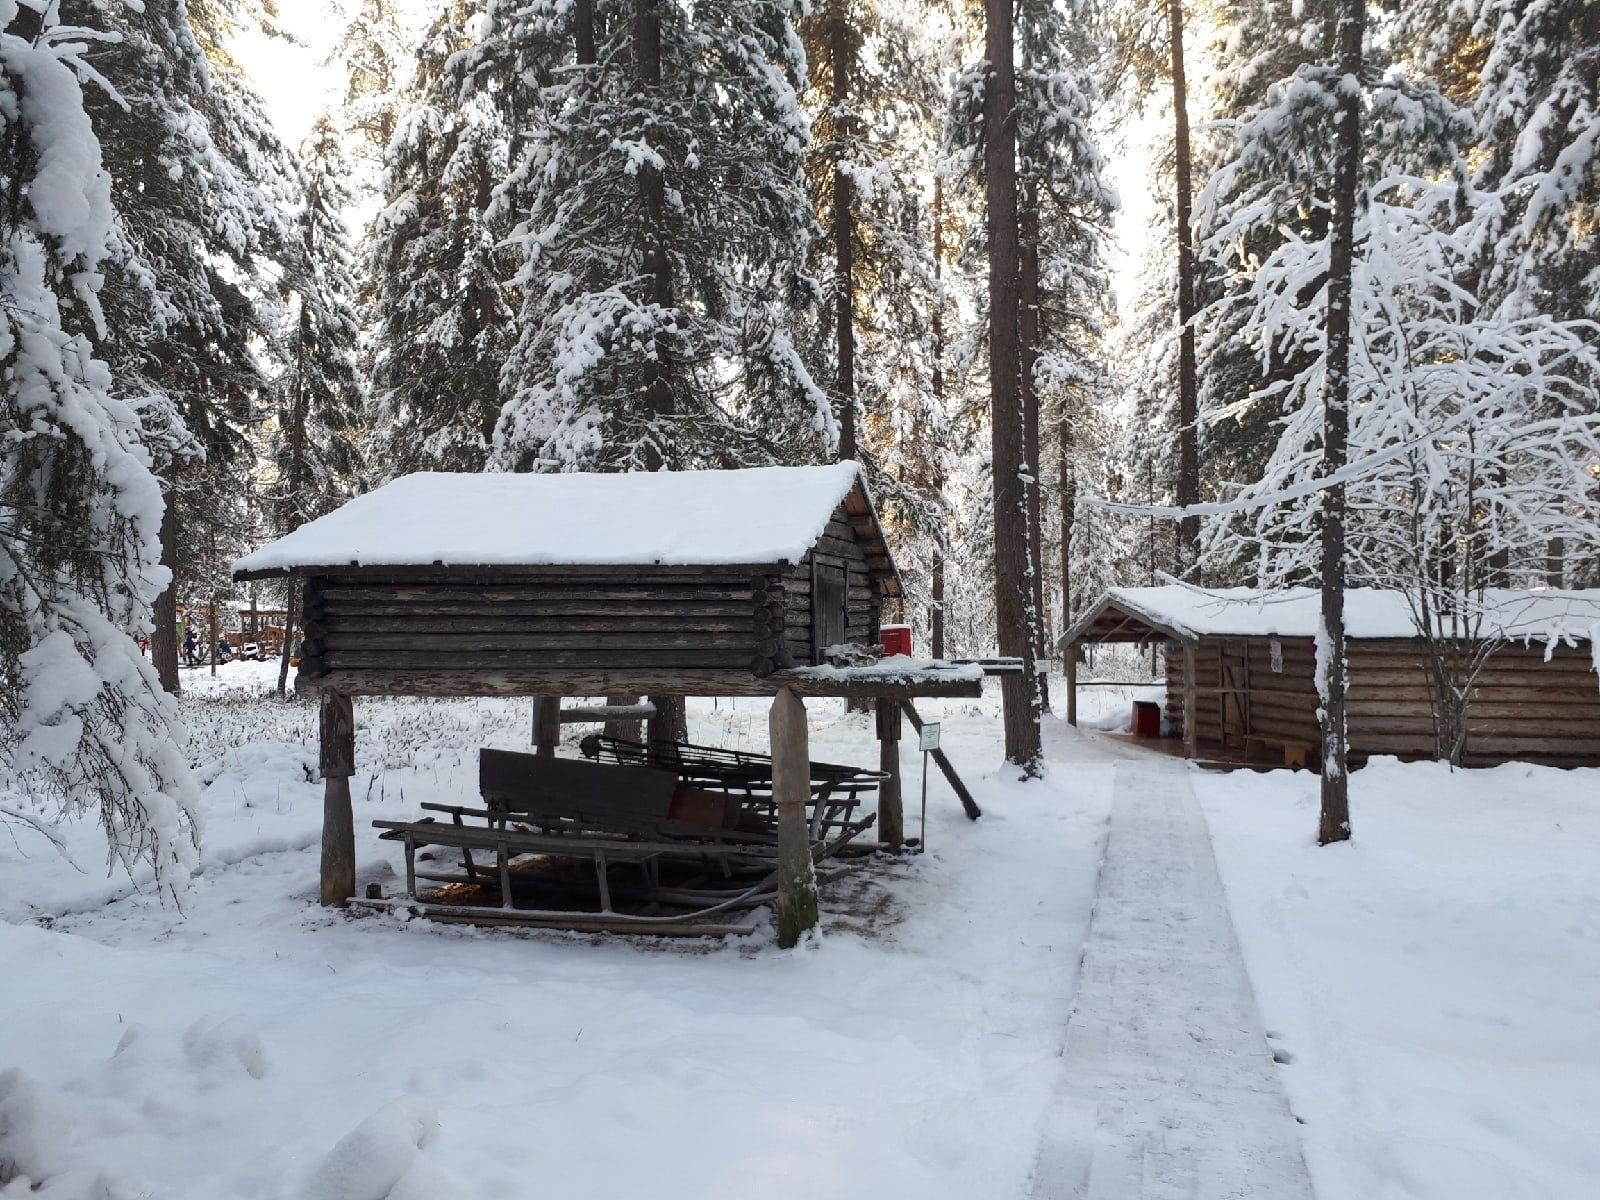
point(674, 518)
point(1188, 613)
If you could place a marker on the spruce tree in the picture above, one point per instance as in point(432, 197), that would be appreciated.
point(439, 309)
point(662, 230)
point(318, 392)
point(84, 723)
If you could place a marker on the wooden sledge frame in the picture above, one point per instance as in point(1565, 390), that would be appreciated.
point(506, 843)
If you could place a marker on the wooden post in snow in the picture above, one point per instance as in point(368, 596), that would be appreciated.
point(546, 725)
point(1072, 683)
point(791, 788)
point(1191, 718)
point(338, 762)
point(891, 813)
point(629, 730)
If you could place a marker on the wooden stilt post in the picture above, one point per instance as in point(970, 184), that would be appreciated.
point(338, 761)
point(668, 727)
point(1191, 722)
point(546, 725)
point(891, 814)
point(791, 788)
point(628, 731)
point(1072, 684)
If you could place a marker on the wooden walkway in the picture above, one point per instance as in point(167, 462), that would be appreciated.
point(1168, 1086)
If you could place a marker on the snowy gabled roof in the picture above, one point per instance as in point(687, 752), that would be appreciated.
point(1189, 613)
point(674, 518)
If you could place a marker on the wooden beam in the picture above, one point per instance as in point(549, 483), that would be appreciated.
point(891, 811)
point(791, 788)
point(943, 763)
point(622, 710)
point(433, 681)
point(338, 762)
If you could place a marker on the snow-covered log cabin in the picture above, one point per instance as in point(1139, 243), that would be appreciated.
point(1241, 672)
point(697, 583)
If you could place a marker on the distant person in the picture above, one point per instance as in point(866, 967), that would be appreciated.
point(191, 648)
point(224, 651)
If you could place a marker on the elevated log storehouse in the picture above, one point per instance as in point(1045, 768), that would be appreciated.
point(664, 584)
point(1241, 673)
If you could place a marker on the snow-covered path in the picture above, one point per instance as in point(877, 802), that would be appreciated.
point(1168, 1086)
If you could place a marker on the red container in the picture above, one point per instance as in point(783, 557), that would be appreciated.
point(1146, 718)
point(895, 639)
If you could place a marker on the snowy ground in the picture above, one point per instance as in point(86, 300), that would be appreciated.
point(258, 1047)
point(1430, 990)
point(1433, 987)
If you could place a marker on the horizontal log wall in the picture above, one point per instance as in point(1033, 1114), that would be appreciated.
point(644, 618)
point(1523, 709)
point(839, 545)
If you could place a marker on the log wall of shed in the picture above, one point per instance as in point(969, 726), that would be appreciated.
point(1524, 708)
point(668, 618)
point(838, 547)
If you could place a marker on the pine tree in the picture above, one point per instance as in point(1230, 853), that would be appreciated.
point(83, 720)
point(873, 96)
point(1015, 615)
point(662, 230)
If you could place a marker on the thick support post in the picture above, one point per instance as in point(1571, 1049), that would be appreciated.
point(667, 728)
point(1191, 717)
point(1072, 684)
point(891, 814)
point(546, 725)
point(791, 788)
point(627, 730)
point(338, 761)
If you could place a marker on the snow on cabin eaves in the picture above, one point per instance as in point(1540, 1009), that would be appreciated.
point(1535, 614)
point(668, 518)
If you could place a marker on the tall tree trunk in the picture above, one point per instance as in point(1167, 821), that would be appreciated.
point(164, 639)
point(1068, 488)
point(289, 613)
point(298, 483)
point(841, 68)
point(583, 32)
point(936, 618)
point(1031, 332)
point(1335, 822)
point(1188, 387)
point(1014, 612)
point(657, 266)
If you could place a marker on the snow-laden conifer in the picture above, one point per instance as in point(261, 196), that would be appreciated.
point(84, 723)
point(661, 228)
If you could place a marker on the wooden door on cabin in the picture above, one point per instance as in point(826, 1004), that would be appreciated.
point(1233, 686)
point(830, 617)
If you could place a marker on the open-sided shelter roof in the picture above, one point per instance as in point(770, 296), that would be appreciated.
point(754, 515)
point(1186, 614)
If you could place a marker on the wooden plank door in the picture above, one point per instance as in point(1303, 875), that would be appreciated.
point(829, 608)
point(1233, 686)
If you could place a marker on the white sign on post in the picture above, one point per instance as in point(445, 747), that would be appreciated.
point(928, 736)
